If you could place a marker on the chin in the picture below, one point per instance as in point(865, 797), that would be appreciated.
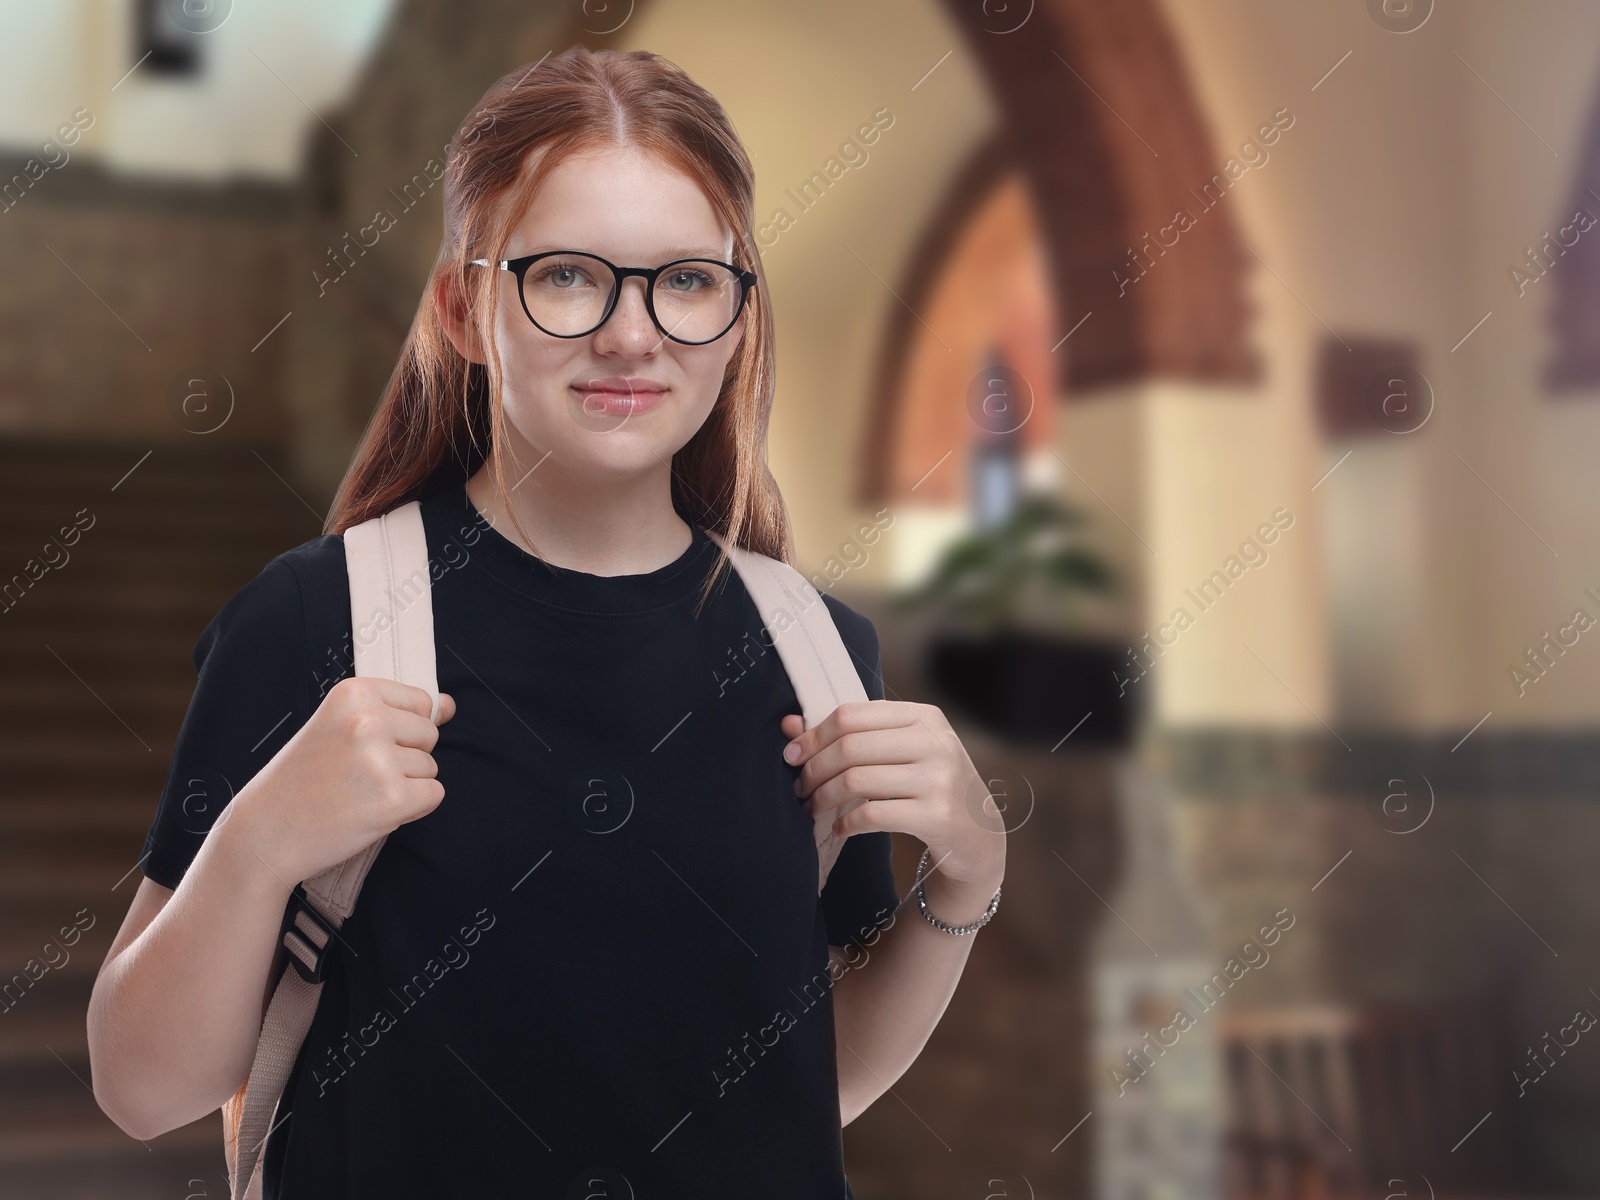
point(623, 451)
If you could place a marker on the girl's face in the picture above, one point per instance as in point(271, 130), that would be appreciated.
point(585, 401)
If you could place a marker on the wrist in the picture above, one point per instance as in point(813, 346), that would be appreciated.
point(238, 843)
point(959, 902)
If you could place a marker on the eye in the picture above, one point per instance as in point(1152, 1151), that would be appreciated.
point(687, 279)
point(562, 276)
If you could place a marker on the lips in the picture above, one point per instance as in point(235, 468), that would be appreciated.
point(614, 397)
point(621, 383)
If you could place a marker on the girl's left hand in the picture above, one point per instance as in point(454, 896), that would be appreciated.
point(907, 763)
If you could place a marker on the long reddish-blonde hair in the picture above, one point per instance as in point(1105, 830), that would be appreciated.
point(440, 414)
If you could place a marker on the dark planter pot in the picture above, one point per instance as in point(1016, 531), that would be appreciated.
point(1033, 688)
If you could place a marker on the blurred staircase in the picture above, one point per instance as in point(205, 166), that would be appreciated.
point(95, 657)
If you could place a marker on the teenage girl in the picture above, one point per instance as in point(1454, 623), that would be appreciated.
point(591, 958)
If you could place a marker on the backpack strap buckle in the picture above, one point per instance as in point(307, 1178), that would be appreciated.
point(307, 955)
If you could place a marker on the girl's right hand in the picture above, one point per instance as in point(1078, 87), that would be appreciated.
point(358, 769)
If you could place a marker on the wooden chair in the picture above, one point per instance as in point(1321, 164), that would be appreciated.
point(1330, 1102)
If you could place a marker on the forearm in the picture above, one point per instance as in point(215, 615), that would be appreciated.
point(890, 997)
point(174, 1018)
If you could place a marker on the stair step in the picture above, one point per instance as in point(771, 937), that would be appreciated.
point(20, 993)
point(146, 704)
point(105, 637)
point(46, 514)
point(73, 460)
point(66, 884)
point(111, 563)
point(118, 634)
point(57, 845)
point(54, 692)
point(28, 1038)
point(69, 792)
point(130, 468)
point(90, 1142)
point(93, 749)
point(112, 815)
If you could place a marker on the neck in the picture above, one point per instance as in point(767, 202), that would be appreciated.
point(614, 526)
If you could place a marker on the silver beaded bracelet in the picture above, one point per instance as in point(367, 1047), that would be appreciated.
point(922, 903)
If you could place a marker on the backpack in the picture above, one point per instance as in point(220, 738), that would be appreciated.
point(390, 597)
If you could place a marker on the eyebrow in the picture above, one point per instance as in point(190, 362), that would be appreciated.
point(694, 252)
point(671, 254)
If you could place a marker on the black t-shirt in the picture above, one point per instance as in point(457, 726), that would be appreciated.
point(600, 966)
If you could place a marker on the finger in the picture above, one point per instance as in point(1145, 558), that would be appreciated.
point(423, 796)
point(416, 729)
point(792, 725)
point(850, 716)
point(415, 763)
point(436, 708)
point(871, 782)
point(404, 696)
point(899, 744)
point(897, 815)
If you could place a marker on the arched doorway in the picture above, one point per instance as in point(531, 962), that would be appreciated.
point(1100, 126)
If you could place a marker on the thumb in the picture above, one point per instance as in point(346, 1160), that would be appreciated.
point(447, 707)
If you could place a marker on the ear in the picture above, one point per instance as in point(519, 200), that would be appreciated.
point(451, 306)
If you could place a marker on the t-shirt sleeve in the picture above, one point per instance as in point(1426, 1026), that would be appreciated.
point(251, 696)
point(860, 893)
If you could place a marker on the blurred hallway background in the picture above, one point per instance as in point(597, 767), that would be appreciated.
point(1282, 318)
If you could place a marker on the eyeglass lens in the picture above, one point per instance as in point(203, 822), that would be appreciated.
point(566, 295)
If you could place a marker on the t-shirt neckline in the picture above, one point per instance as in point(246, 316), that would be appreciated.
point(563, 587)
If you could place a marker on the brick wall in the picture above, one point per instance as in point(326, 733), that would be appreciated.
point(119, 287)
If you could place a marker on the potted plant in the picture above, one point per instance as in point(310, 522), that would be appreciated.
point(1010, 647)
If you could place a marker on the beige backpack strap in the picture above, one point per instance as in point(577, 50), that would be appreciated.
point(391, 611)
point(812, 652)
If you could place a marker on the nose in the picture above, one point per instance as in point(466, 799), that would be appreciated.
point(629, 331)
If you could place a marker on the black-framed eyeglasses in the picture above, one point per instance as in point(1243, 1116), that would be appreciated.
point(572, 293)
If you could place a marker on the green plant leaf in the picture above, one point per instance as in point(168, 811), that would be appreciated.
point(984, 576)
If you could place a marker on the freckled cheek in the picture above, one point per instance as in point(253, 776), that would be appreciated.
point(704, 369)
point(524, 347)
point(534, 372)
